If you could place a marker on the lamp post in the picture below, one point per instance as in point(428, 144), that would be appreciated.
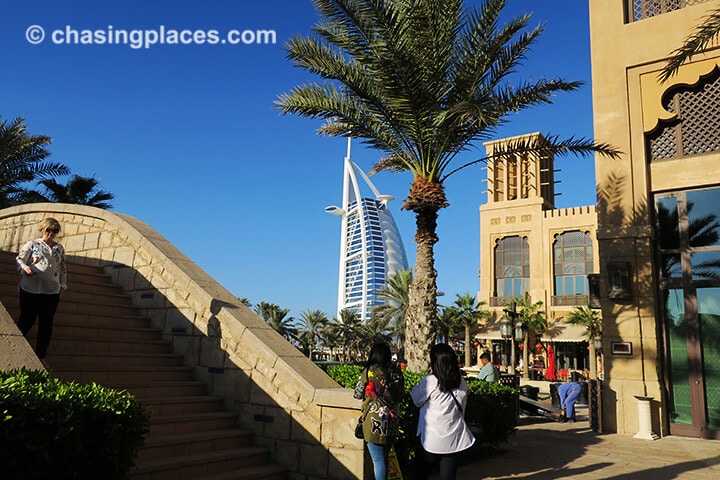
point(506, 333)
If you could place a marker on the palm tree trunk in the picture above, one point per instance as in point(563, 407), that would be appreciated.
point(422, 296)
point(593, 361)
point(526, 356)
point(468, 353)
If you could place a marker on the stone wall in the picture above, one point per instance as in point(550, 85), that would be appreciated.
point(292, 406)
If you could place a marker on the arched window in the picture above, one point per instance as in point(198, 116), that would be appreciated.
point(512, 267)
point(572, 262)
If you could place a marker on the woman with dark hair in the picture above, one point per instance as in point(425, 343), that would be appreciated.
point(442, 430)
point(381, 387)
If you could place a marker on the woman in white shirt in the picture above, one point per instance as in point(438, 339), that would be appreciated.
point(442, 430)
point(41, 264)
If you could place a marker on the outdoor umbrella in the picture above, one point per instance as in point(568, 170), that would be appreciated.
point(550, 373)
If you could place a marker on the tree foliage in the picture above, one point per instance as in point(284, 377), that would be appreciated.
point(421, 81)
point(23, 160)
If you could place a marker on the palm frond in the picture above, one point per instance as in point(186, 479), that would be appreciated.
point(708, 32)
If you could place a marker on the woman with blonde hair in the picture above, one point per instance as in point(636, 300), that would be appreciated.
point(41, 264)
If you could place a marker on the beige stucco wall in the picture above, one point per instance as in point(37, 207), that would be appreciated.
point(257, 372)
point(621, 55)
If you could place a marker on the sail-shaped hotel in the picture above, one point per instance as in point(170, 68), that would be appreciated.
point(371, 249)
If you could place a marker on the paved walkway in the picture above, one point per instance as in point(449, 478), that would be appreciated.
point(544, 449)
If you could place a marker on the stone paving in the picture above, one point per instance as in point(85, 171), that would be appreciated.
point(544, 449)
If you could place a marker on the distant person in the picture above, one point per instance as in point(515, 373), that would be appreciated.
point(488, 372)
point(568, 394)
point(442, 431)
point(381, 387)
point(41, 264)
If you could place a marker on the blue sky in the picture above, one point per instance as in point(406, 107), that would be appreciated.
point(186, 138)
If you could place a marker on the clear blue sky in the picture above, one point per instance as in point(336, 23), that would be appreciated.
point(186, 138)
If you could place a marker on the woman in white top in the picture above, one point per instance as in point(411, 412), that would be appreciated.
point(442, 430)
point(41, 264)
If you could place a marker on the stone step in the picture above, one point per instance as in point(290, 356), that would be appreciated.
point(162, 426)
point(258, 472)
point(74, 344)
point(113, 359)
point(105, 375)
point(172, 406)
point(142, 390)
point(193, 443)
point(191, 467)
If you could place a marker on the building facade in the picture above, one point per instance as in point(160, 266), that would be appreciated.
point(527, 245)
point(371, 249)
point(658, 217)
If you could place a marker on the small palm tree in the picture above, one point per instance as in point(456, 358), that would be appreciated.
point(312, 323)
point(347, 329)
point(278, 319)
point(468, 311)
point(78, 190)
point(592, 321)
point(22, 160)
point(391, 314)
point(422, 81)
point(534, 317)
point(707, 33)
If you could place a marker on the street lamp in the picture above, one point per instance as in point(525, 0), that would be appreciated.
point(597, 342)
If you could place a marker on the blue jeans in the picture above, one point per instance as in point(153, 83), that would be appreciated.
point(379, 455)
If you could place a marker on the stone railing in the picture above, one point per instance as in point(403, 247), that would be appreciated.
point(291, 405)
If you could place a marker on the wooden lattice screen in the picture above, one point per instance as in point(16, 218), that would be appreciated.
point(695, 131)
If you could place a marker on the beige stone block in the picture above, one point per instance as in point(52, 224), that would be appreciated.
point(314, 460)
point(263, 391)
point(234, 383)
point(125, 256)
point(346, 463)
point(91, 241)
point(305, 427)
point(279, 428)
point(338, 427)
point(246, 416)
point(288, 455)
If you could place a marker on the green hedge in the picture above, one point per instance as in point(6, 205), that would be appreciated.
point(492, 409)
point(61, 430)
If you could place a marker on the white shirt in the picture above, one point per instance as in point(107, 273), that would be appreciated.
point(48, 266)
point(441, 427)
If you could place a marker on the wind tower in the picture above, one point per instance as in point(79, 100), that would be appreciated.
point(371, 249)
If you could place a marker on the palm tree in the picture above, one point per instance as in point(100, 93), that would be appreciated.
point(312, 322)
point(447, 325)
point(534, 317)
point(707, 33)
point(277, 318)
point(22, 160)
point(391, 314)
point(346, 327)
point(421, 81)
point(78, 190)
point(468, 311)
point(592, 321)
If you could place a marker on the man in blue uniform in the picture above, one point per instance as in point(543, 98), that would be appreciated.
point(568, 393)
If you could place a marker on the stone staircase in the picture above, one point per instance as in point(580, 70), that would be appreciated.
point(98, 336)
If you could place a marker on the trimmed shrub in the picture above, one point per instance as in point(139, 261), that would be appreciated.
point(61, 430)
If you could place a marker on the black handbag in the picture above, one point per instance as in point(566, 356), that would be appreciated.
point(359, 428)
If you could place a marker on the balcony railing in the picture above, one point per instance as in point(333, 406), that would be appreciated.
point(569, 300)
point(640, 9)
